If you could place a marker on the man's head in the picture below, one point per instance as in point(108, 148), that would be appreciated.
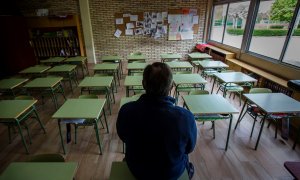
point(157, 79)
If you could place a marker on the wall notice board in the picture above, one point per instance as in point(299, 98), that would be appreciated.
point(183, 23)
point(179, 24)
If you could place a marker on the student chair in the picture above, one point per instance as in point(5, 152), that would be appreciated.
point(46, 158)
point(120, 171)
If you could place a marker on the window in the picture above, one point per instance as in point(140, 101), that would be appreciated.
point(235, 23)
point(271, 27)
point(218, 22)
point(234, 15)
point(273, 32)
point(292, 54)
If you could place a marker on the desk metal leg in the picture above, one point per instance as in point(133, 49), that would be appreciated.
point(61, 137)
point(97, 136)
point(228, 134)
point(23, 140)
point(260, 131)
point(212, 89)
point(240, 116)
point(127, 91)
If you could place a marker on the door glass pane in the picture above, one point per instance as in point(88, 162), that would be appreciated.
point(271, 27)
point(217, 27)
point(235, 24)
point(292, 54)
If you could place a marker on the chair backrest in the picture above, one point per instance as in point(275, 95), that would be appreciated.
point(139, 61)
point(136, 53)
point(101, 74)
point(24, 97)
point(225, 71)
point(47, 158)
point(260, 90)
point(88, 96)
point(183, 72)
point(198, 92)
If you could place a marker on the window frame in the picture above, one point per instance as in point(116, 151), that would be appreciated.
point(249, 28)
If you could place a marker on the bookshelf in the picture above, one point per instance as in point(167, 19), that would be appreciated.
point(56, 36)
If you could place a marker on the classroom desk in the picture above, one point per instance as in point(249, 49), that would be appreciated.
point(191, 80)
point(232, 77)
point(47, 84)
point(136, 67)
point(131, 81)
point(8, 85)
point(81, 109)
point(67, 71)
point(198, 56)
point(16, 111)
point(35, 70)
point(113, 59)
point(180, 66)
point(271, 103)
point(108, 68)
point(218, 65)
point(53, 60)
point(132, 58)
point(80, 61)
point(99, 82)
point(209, 108)
point(170, 57)
point(293, 167)
point(40, 171)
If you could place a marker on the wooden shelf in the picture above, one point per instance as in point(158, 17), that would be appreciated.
point(56, 45)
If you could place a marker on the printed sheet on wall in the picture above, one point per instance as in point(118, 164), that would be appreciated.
point(182, 26)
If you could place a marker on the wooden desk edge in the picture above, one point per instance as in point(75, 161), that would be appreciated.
point(260, 72)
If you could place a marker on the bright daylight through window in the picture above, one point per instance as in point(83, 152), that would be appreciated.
point(270, 34)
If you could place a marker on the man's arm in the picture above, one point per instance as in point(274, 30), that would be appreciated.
point(121, 124)
point(192, 133)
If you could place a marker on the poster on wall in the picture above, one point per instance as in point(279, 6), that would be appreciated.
point(181, 24)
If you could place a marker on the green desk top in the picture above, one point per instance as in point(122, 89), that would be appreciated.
point(274, 102)
point(53, 60)
point(62, 68)
point(45, 82)
point(12, 109)
point(170, 56)
point(76, 59)
point(80, 108)
point(212, 64)
point(11, 83)
point(208, 104)
point(35, 69)
point(106, 67)
point(110, 58)
point(177, 64)
point(125, 100)
point(104, 81)
point(198, 55)
point(133, 81)
point(234, 77)
point(188, 79)
point(40, 171)
point(136, 57)
point(136, 65)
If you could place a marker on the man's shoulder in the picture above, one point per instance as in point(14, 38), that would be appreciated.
point(183, 111)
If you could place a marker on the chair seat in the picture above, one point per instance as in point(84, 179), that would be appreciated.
point(120, 171)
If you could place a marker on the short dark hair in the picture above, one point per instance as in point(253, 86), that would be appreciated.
point(157, 79)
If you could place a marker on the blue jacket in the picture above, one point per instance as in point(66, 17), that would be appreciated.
point(158, 137)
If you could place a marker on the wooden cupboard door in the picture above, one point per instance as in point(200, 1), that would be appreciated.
point(16, 51)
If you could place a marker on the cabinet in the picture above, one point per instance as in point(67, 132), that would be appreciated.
point(56, 36)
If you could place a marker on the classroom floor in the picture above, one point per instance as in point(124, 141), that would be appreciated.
point(240, 161)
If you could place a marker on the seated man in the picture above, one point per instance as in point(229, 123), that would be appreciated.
point(158, 135)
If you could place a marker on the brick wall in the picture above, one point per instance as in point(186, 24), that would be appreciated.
point(103, 24)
